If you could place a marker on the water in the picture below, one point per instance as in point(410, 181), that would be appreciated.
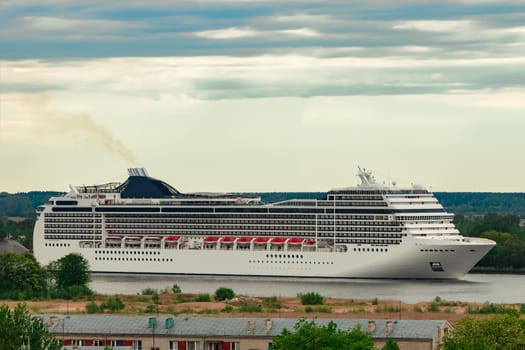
point(474, 288)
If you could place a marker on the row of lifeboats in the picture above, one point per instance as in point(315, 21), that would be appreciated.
point(218, 239)
point(259, 240)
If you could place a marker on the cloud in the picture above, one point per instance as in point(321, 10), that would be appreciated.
point(241, 33)
point(228, 33)
point(226, 77)
point(436, 26)
point(57, 24)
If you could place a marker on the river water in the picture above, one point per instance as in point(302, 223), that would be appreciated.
point(473, 288)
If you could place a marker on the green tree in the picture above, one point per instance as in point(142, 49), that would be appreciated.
point(21, 277)
point(308, 335)
point(500, 332)
point(72, 270)
point(18, 330)
point(176, 289)
point(224, 293)
point(390, 345)
point(311, 298)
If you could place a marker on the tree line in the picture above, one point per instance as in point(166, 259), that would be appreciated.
point(24, 204)
point(23, 278)
point(505, 230)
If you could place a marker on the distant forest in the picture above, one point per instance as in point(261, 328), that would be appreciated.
point(464, 203)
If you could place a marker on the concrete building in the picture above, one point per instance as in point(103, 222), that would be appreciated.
point(93, 332)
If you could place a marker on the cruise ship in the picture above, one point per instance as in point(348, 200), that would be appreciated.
point(146, 226)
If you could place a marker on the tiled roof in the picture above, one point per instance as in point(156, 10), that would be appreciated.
point(230, 327)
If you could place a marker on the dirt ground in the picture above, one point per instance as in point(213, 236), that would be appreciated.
point(243, 306)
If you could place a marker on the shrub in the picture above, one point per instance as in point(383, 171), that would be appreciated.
point(311, 298)
point(417, 308)
point(489, 308)
point(375, 301)
point(176, 289)
point(227, 309)
point(323, 309)
point(72, 292)
point(223, 293)
point(202, 298)
point(522, 308)
point(433, 307)
point(250, 307)
point(112, 304)
point(148, 291)
point(92, 307)
point(149, 309)
point(308, 309)
point(271, 303)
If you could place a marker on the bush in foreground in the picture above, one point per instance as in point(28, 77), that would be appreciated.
point(311, 298)
point(223, 293)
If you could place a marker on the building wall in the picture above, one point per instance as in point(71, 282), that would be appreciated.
point(208, 343)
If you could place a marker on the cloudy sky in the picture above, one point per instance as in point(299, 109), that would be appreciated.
point(240, 95)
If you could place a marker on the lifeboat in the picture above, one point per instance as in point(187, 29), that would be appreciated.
point(278, 240)
point(295, 240)
point(309, 242)
point(211, 239)
point(172, 238)
point(261, 240)
point(228, 239)
point(114, 237)
point(244, 240)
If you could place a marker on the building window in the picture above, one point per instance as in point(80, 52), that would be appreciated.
point(192, 345)
point(174, 345)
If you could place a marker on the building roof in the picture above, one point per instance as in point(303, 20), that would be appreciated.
point(230, 327)
point(12, 246)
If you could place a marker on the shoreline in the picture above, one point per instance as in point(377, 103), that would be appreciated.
point(186, 304)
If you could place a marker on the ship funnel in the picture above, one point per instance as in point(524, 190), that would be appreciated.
point(138, 172)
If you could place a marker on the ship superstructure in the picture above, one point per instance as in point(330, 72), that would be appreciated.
point(144, 225)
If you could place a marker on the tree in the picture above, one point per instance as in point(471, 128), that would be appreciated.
point(308, 335)
point(21, 277)
point(223, 293)
point(20, 330)
point(73, 270)
point(503, 332)
point(69, 277)
point(176, 289)
point(390, 345)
